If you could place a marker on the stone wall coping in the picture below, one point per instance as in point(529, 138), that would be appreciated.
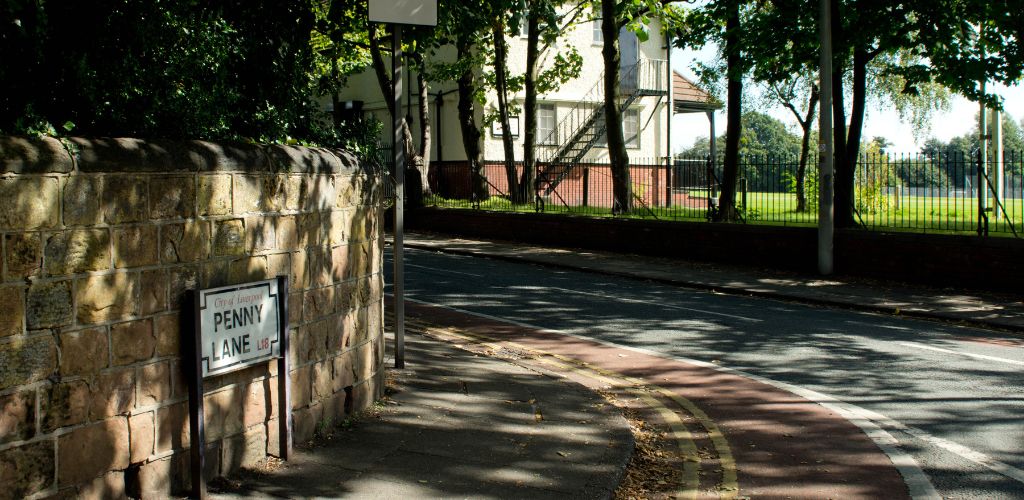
point(47, 155)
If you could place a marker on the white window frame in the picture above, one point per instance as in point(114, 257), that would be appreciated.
point(542, 134)
point(596, 34)
point(631, 142)
point(524, 24)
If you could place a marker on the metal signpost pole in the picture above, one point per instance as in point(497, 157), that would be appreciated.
point(826, 157)
point(399, 150)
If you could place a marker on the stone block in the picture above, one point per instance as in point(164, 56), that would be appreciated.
point(340, 262)
point(279, 265)
point(185, 242)
point(132, 342)
point(167, 329)
point(29, 203)
point(23, 254)
point(27, 469)
point(303, 425)
point(344, 375)
point(64, 405)
point(172, 197)
point(318, 303)
point(229, 238)
point(153, 292)
point(247, 269)
point(319, 264)
point(288, 233)
point(12, 303)
point(345, 296)
point(113, 393)
point(322, 387)
point(224, 413)
point(84, 352)
point(300, 277)
point(157, 479)
point(83, 200)
point(17, 416)
point(248, 194)
point(154, 384)
point(301, 386)
point(124, 199)
point(257, 404)
point(136, 246)
point(181, 279)
point(260, 234)
point(109, 485)
point(214, 197)
point(337, 226)
point(295, 306)
point(143, 435)
point(24, 361)
point(172, 428)
point(363, 365)
point(275, 192)
point(33, 155)
point(297, 193)
point(78, 251)
point(243, 450)
point(88, 452)
point(308, 225)
point(179, 385)
point(48, 305)
point(106, 298)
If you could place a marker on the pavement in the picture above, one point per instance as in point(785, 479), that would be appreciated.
point(490, 409)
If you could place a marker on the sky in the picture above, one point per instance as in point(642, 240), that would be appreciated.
point(959, 120)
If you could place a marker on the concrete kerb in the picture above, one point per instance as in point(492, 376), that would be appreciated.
point(563, 262)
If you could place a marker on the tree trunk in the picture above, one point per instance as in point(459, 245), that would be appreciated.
point(622, 189)
point(467, 125)
point(501, 89)
point(425, 132)
point(805, 149)
point(526, 182)
point(730, 169)
point(387, 89)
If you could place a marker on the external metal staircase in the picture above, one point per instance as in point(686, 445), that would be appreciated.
point(584, 125)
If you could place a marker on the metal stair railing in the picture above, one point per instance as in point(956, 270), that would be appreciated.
point(584, 124)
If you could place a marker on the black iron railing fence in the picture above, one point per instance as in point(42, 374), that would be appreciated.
point(926, 192)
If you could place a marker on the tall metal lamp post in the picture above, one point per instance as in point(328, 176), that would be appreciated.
point(400, 13)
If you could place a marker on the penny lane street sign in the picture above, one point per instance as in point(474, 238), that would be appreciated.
point(415, 12)
point(239, 326)
point(234, 327)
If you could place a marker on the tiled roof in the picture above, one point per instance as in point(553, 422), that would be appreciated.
point(688, 97)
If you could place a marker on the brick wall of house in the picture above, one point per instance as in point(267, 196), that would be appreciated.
point(100, 239)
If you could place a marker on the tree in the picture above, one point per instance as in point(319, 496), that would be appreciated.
point(633, 15)
point(224, 69)
point(789, 94)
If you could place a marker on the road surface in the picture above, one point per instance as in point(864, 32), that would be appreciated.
point(952, 398)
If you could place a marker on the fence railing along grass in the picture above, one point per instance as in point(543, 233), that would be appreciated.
point(925, 192)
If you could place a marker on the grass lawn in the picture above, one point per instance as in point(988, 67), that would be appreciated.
point(914, 214)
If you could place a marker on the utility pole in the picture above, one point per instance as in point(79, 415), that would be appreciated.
point(397, 67)
point(826, 157)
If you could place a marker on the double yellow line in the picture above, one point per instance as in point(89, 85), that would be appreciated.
point(644, 391)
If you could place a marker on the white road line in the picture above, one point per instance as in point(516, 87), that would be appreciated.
point(638, 301)
point(965, 354)
point(873, 424)
point(444, 270)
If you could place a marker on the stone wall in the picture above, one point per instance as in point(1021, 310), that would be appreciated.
point(100, 239)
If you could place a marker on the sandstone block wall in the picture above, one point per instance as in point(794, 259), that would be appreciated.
point(100, 239)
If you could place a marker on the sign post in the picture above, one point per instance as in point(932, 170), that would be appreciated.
point(233, 327)
point(398, 13)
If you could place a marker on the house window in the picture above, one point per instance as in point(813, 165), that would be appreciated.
point(630, 130)
point(598, 36)
point(547, 120)
point(524, 24)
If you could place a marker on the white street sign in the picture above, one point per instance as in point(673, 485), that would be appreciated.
point(238, 326)
point(415, 12)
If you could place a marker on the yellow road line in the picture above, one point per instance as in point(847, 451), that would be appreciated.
point(729, 487)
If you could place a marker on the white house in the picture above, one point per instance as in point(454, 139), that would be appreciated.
point(570, 118)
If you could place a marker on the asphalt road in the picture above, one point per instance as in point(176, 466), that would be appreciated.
point(950, 397)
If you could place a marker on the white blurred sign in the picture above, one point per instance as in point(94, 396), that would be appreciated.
point(416, 12)
point(239, 326)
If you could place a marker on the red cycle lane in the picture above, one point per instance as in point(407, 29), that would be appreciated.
point(784, 446)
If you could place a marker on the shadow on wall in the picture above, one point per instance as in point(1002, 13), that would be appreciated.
point(100, 240)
